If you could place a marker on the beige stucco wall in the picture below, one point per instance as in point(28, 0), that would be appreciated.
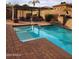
point(69, 23)
point(22, 13)
point(35, 12)
point(59, 10)
point(54, 10)
point(44, 12)
point(60, 19)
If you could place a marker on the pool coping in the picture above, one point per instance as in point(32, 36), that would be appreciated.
point(42, 25)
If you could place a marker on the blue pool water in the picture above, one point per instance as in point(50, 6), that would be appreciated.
point(55, 34)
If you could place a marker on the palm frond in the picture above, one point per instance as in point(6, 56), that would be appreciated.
point(34, 2)
point(37, 1)
point(30, 2)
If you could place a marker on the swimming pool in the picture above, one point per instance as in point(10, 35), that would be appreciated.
point(54, 33)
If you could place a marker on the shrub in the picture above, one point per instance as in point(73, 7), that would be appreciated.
point(49, 17)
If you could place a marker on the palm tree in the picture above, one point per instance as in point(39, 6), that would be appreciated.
point(33, 2)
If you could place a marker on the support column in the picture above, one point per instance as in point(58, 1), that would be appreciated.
point(39, 12)
point(12, 13)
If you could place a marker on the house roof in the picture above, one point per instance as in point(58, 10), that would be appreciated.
point(68, 5)
point(30, 8)
point(26, 7)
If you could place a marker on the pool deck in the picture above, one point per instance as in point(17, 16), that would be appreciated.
point(23, 23)
point(41, 23)
point(35, 49)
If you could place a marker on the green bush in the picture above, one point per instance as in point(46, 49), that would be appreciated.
point(49, 17)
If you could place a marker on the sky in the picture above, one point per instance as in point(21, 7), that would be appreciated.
point(42, 2)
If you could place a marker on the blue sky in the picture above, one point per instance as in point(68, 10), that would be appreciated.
point(42, 2)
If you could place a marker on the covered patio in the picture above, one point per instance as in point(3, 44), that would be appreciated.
point(25, 13)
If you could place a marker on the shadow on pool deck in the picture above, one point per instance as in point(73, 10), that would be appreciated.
point(35, 49)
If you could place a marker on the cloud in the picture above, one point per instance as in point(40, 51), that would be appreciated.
point(42, 2)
